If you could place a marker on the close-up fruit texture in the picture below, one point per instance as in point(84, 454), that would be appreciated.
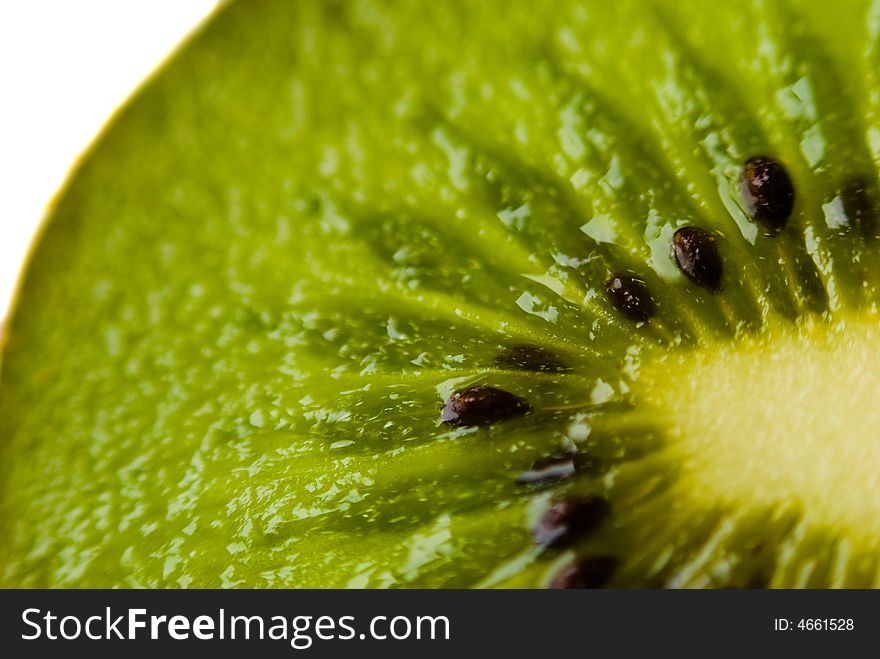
point(463, 294)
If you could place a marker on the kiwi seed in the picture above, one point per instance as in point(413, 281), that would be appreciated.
point(568, 518)
point(589, 572)
point(696, 254)
point(482, 405)
point(630, 296)
point(768, 192)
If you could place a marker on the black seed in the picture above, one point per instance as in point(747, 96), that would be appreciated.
point(548, 470)
point(482, 405)
point(696, 254)
point(529, 358)
point(570, 518)
point(589, 572)
point(768, 192)
point(858, 205)
point(630, 296)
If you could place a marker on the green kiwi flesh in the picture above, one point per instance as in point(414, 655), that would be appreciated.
point(463, 294)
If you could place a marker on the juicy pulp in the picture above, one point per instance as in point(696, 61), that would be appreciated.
point(321, 219)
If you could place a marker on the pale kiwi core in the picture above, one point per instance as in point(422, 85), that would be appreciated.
point(788, 419)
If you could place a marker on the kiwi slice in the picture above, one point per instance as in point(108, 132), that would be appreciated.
point(366, 294)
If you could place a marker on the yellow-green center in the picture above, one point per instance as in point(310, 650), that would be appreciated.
point(789, 418)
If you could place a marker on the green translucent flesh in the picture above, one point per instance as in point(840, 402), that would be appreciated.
point(234, 339)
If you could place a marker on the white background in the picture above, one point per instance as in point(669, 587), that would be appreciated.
point(65, 65)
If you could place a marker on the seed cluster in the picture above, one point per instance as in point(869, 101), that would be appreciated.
point(768, 194)
point(769, 197)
